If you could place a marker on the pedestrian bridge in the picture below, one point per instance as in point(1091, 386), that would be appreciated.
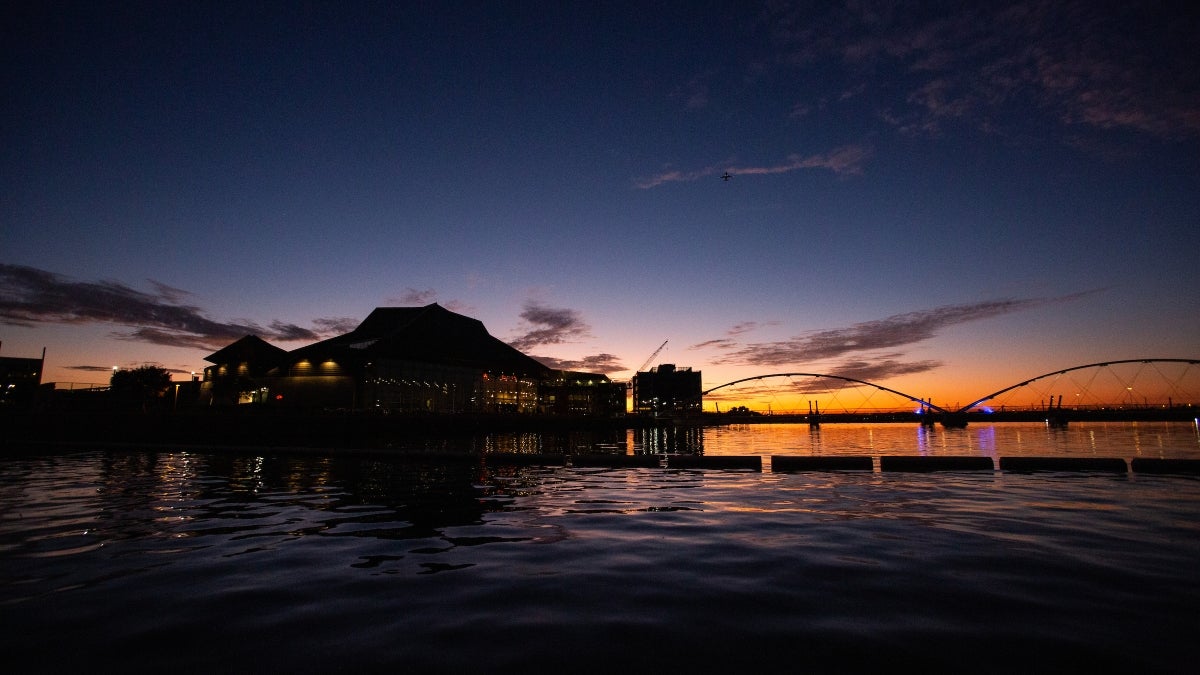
point(1122, 383)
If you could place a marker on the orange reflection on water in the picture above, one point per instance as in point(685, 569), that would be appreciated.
point(995, 440)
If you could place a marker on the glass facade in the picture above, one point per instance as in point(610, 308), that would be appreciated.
point(412, 386)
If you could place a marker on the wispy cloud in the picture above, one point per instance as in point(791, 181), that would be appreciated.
point(847, 160)
point(827, 381)
point(459, 306)
point(733, 332)
point(549, 326)
point(420, 297)
point(719, 343)
point(895, 331)
point(334, 325)
point(108, 369)
point(413, 296)
point(30, 296)
point(596, 363)
point(747, 326)
point(1094, 65)
point(90, 369)
point(879, 370)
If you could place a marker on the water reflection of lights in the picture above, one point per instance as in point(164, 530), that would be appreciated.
point(986, 436)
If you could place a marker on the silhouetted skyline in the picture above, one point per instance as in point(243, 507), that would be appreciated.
point(943, 195)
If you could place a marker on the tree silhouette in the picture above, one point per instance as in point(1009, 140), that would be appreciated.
point(139, 386)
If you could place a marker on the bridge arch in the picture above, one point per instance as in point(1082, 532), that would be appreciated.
point(852, 380)
point(1055, 373)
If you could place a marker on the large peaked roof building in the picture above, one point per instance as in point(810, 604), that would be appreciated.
point(431, 334)
point(405, 360)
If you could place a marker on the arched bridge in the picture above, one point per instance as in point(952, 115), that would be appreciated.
point(832, 377)
point(1190, 369)
point(1056, 373)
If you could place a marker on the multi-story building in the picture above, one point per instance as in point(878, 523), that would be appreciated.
point(573, 393)
point(667, 391)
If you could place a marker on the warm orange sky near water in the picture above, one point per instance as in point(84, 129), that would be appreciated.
point(1158, 383)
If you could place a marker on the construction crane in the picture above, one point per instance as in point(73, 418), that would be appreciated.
point(651, 358)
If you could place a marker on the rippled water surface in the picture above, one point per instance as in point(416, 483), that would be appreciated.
point(173, 560)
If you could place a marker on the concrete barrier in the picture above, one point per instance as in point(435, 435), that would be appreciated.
point(784, 463)
point(602, 460)
point(753, 462)
point(947, 463)
point(1159, 465)
point(1110, 464)
point(795, 463)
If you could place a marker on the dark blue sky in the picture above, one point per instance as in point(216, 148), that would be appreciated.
point(935, 195)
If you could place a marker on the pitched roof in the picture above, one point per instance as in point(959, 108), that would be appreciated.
point(250, 348)
point(431, 333)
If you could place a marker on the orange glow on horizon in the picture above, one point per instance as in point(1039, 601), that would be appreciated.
point(1116, 385)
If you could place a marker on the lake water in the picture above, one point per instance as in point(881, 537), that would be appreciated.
point(174, 560)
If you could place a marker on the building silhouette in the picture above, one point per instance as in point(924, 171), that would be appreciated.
point(20, 380)
point(405, 360)
point(667, 391)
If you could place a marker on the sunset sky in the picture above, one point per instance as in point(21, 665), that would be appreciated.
point(942, 197)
